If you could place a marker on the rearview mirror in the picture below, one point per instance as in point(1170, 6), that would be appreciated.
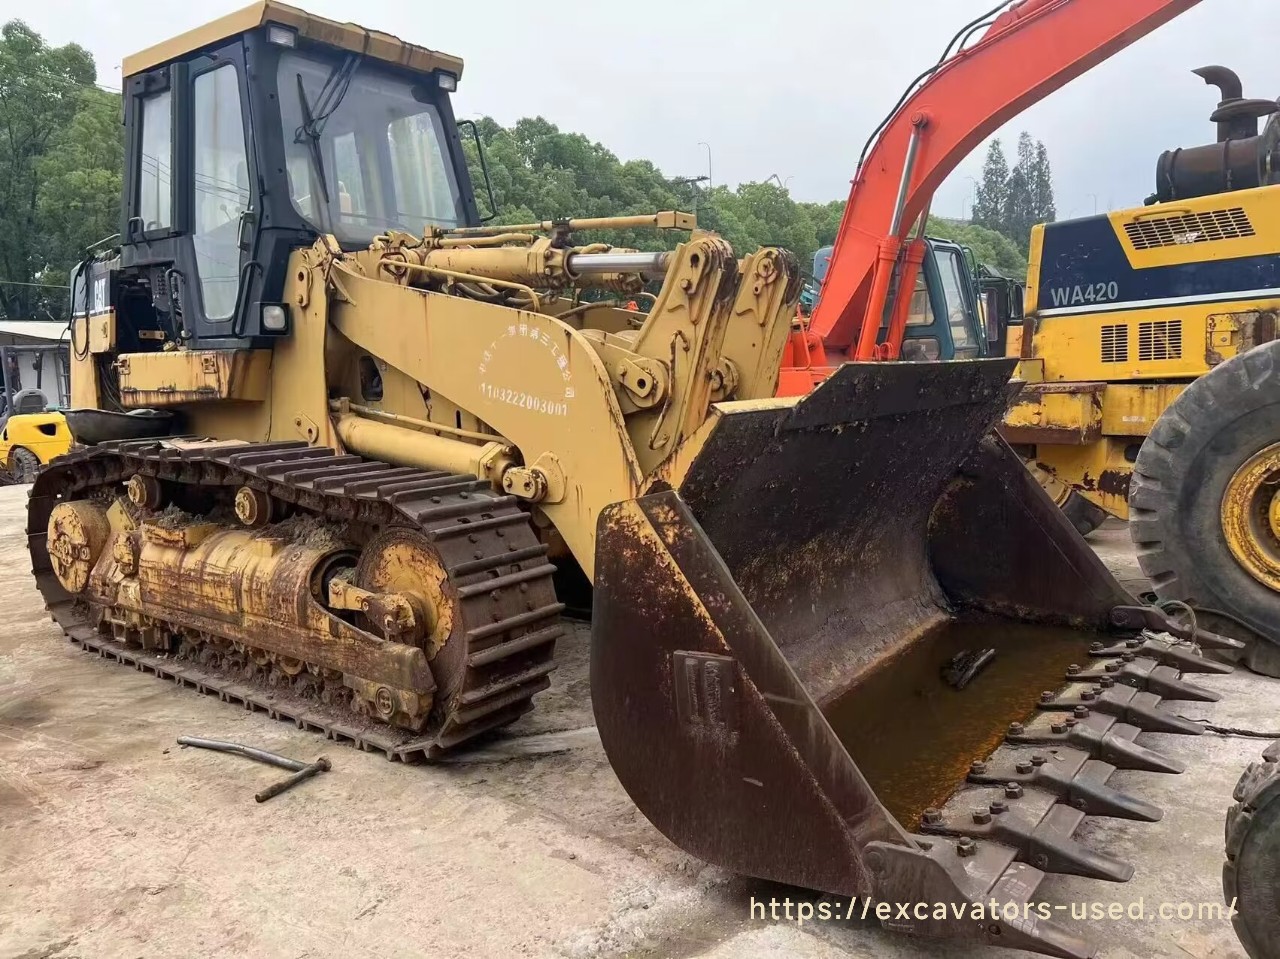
point(484, 168)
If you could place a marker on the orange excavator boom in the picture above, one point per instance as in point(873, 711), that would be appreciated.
point(1028, 51)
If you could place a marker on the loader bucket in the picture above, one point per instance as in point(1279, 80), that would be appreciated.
point(860, 651)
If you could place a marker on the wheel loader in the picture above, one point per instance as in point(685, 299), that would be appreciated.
point(340, 434)
point(1152, 364)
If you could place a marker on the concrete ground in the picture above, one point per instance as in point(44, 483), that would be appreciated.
point(114, 842)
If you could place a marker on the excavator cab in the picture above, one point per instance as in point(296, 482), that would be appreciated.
point(945, 318)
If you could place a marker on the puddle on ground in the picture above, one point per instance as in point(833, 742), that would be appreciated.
point(913, 735)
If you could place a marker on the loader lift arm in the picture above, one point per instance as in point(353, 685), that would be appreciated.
point(1030, 50)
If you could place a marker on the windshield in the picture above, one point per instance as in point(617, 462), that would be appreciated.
point(382, 148)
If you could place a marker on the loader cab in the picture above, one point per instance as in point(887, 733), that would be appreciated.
point(255, 135)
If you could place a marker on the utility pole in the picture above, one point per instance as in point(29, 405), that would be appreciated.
point(710, 184)
point(692, 181)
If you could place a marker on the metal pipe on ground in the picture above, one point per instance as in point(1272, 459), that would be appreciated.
point(301, 771)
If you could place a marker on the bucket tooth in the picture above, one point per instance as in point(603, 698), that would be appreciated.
point(1091, 794)
point(1184, 658)
point(1143, 710)
point(1053, 849)
point(1031, 821)
point(1209, 640)
point(996, 896)
point(1149, 618)
point(1177, 654)
point(1167, 683)
point(1069, 774)
point(1124, 702)
point(1146, 674)
point(1101, 737)
point(1032, 932)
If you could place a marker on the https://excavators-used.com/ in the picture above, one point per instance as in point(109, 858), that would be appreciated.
point(342, 438)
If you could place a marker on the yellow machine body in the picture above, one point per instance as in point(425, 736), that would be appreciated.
point(1123, 311)
point(45, 435)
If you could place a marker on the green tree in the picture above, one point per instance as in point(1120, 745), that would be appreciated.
point(1013, 201)
point(540, 172)
point(78, 197)
point(1020, 210)
point(992, 194)
point(43, 90)
point(988, 246)
point(1042, 202)
point(826, 219)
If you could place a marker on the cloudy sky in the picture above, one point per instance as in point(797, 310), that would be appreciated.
point(790, 88)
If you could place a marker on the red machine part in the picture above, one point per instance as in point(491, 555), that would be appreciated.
point(1030, 50)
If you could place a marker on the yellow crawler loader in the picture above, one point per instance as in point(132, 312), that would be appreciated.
point(339, 435)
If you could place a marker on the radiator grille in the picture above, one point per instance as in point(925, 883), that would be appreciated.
point(1159, 340)
point(1115, 343)
point(1182, 229)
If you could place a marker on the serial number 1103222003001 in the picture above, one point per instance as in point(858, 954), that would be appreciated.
point(524, 400)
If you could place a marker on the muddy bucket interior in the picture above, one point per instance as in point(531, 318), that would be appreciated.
point(855, 632)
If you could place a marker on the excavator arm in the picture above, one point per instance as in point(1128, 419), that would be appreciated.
point(1030, 50)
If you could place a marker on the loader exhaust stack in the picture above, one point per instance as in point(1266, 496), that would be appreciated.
point(760, 633)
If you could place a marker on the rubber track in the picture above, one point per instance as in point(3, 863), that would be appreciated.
point(496, 566)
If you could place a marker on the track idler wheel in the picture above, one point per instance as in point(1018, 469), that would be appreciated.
point(404, 562)
point(78, 531)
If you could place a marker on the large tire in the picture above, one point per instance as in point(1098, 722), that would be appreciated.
point(1251, 874)
point(23, 465)
point(1215, 426)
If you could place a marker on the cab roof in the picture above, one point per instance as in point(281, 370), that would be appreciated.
point(346, 36)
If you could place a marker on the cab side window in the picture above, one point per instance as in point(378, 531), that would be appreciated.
point(155, 167)
point(920, 313)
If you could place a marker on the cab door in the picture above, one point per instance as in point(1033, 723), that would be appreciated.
point(942, 320)
point(957, 308)
point(191, 192)
point(221, 196)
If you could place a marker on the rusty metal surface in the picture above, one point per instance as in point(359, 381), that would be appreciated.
point(1049, 435)
point(796, 503)
point(192, 376)
point(506, 616)
point(685, 679)
point(999, 544)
